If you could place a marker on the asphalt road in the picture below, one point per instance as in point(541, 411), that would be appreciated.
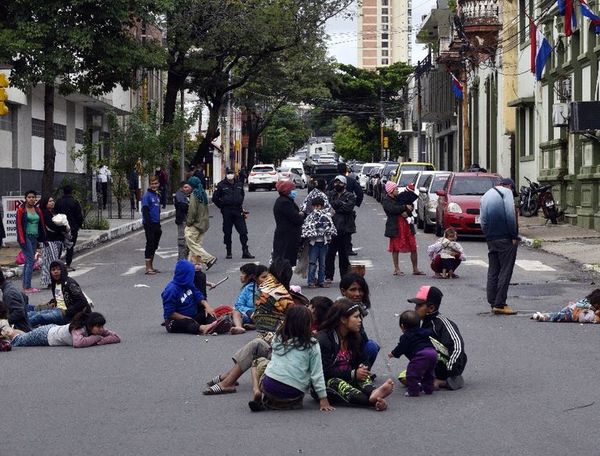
point(528, 389)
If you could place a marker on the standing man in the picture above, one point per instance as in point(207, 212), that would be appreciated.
point(182, 204)
point(499, 224)
point(352, 186)
point(342, 202)
point(103, 176)
point(132, 183)
point(229, 197)
point(69, 206)
point(151, 223)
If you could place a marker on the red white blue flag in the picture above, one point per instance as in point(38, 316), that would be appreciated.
point(587, 12)
point(540, 50)
point(457, 87)
point(565, 8)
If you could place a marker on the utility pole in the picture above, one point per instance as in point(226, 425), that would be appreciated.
point(465, 119)
point(182, 154)
point(381, 123)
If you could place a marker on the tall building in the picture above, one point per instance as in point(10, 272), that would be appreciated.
point(384, 29)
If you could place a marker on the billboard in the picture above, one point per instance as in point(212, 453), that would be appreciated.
point(10, 204)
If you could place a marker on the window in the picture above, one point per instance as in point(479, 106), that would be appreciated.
point(384, 20)
point(384, 27)
point(525, 8)
point(37, 129)
point(60, 132)
point(385, 61)
point(384, 2)
point(384, 11)
point(78, 136)
point(385, 36)
point(384, 44)
point(384, 53)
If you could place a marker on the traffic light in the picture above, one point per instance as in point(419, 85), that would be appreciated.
point(386, 142)
point(3, 94)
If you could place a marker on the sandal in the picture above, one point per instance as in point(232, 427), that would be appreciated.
point(211, 263)
point(215, 390)
point(217, 379)
point(256, 406)
point(235, 330)
point(398, 273)
point(418, 273)
point(150, 272)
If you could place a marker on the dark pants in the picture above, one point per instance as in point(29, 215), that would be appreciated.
point(449, 264)
point(104, 189)
point(339, 245)
point(163, 196)
point(189, 325)
point(349, 247)
point(153, 234)
point(69, 255)
point(133, 199)
point(421, 369)
point(233, 217)
point(502, 254)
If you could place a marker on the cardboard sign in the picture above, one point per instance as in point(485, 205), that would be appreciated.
point(10, 204)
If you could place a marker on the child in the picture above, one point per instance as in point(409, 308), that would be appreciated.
point(318, 229)
point(85, 330)
point(586, 310)
point(446, 255)
point(295, 365)
point(416, 346)
point(244, 306)
point(408, 197)
point(452, 362)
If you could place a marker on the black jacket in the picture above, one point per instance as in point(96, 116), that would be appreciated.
point(411, 342)
point(54, 232)
point(446, 332)
point(17, 303)
point(288, 229)
point(72, 209)
point(352, 186)
point(229, 195)
point(182, 205)
point(330, 346)
point(393, 210)
point(344, 217)
point(75, 299)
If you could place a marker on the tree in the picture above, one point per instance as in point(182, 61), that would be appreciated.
point(286, 133)
point(349, 140)
point(71, 45)
point(298, 75)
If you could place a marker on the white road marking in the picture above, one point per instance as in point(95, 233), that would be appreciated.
point(533, 265)
point(110, 244)
point(133, 270)
point(80, 272)
point(365, 263)
point(475, 263)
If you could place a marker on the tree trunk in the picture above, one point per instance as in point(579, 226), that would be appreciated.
point(49, 150)
point(253, 136)
point(212, 133)
point(175, 80)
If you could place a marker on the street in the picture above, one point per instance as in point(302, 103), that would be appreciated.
point(528, 385)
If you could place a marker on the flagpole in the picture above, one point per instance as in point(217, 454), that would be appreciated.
point(465, 114)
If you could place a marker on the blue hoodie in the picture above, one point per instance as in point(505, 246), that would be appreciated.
point(180, 295)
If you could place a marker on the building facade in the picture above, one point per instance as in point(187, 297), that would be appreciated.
point(384, 28)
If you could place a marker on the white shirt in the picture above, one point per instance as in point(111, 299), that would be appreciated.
point(60, 335)
point(104, 174)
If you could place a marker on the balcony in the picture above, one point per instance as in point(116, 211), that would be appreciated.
point(481, 23)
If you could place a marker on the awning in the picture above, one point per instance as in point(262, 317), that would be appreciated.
point(521, 102)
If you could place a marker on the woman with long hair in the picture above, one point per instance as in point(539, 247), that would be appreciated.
point(55, 235)
point(31, 229)
point(347, 375)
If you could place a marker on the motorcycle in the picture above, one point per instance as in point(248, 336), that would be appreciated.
point(536, 196)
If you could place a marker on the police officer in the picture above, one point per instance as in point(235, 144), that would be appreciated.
point(229, 197)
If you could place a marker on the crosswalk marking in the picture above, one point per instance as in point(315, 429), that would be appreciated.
point(533, 265)
point(475, 263)
point(365, 263)
point(80, 271)
point(132, 270)
point(164, 253)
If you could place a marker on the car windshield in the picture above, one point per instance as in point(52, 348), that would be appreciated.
point(422, 180)
point(390, 169)
point(366, 169)
point(262, 169)
point(438, 183)
point(406, 178)
point(324, 170)
point(417, 168)
point(472, 186)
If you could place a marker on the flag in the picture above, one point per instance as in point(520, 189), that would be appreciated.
point(570, 17)
point(540, 50)
point(561, 7)
point(587, 12)
point(457, 87)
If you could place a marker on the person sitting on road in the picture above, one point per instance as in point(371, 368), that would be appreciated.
point(586, 310)
point(448, 341)
point(244, 305)
point(319, 307)
point(416, 345)
point(67, 299)
point(85, 330)
point(17, 304)
point(185, 308)
point(295, 365)
point(446, 255)
point(354, 287)
point(347, 375)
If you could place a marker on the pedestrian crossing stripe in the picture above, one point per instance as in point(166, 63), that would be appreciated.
point(80, 271)
point(133, 270)
point(526, 265)
point(475, 263)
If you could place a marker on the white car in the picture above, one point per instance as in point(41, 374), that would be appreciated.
point(291, 174)
point(362, 175)
point(297, 164)
point(265, 176)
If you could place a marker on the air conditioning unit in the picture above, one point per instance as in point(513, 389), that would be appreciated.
point(560, 114)
point(585, 116)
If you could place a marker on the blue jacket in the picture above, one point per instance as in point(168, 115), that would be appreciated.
point(245, 300)
point(150, 207)
point(412, 342)
point(180, 295)
point(497, 214)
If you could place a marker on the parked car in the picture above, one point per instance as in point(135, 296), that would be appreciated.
point(362, 174)
point(428, 199)
point(413, 166)
point(385, 175)
point(292, 174)
point(372, 178)
point(265, 176)
point(459, 200)
point(296, 163)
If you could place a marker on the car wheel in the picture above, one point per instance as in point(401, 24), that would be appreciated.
point(251, 188)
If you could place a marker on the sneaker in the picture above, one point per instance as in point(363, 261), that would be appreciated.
point(228, 256)
point(506, 310)
point(455, 383)
point(312, 285)
point(211, 263)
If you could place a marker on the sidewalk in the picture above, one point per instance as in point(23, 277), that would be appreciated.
point(575, 243)
point(87, 239)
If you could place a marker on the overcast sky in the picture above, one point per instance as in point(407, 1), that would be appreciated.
point(343, 32)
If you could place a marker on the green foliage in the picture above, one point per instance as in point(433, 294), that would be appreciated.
point(349, 140)
point(80, 192)
point(96, 223)
point(286, 133)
